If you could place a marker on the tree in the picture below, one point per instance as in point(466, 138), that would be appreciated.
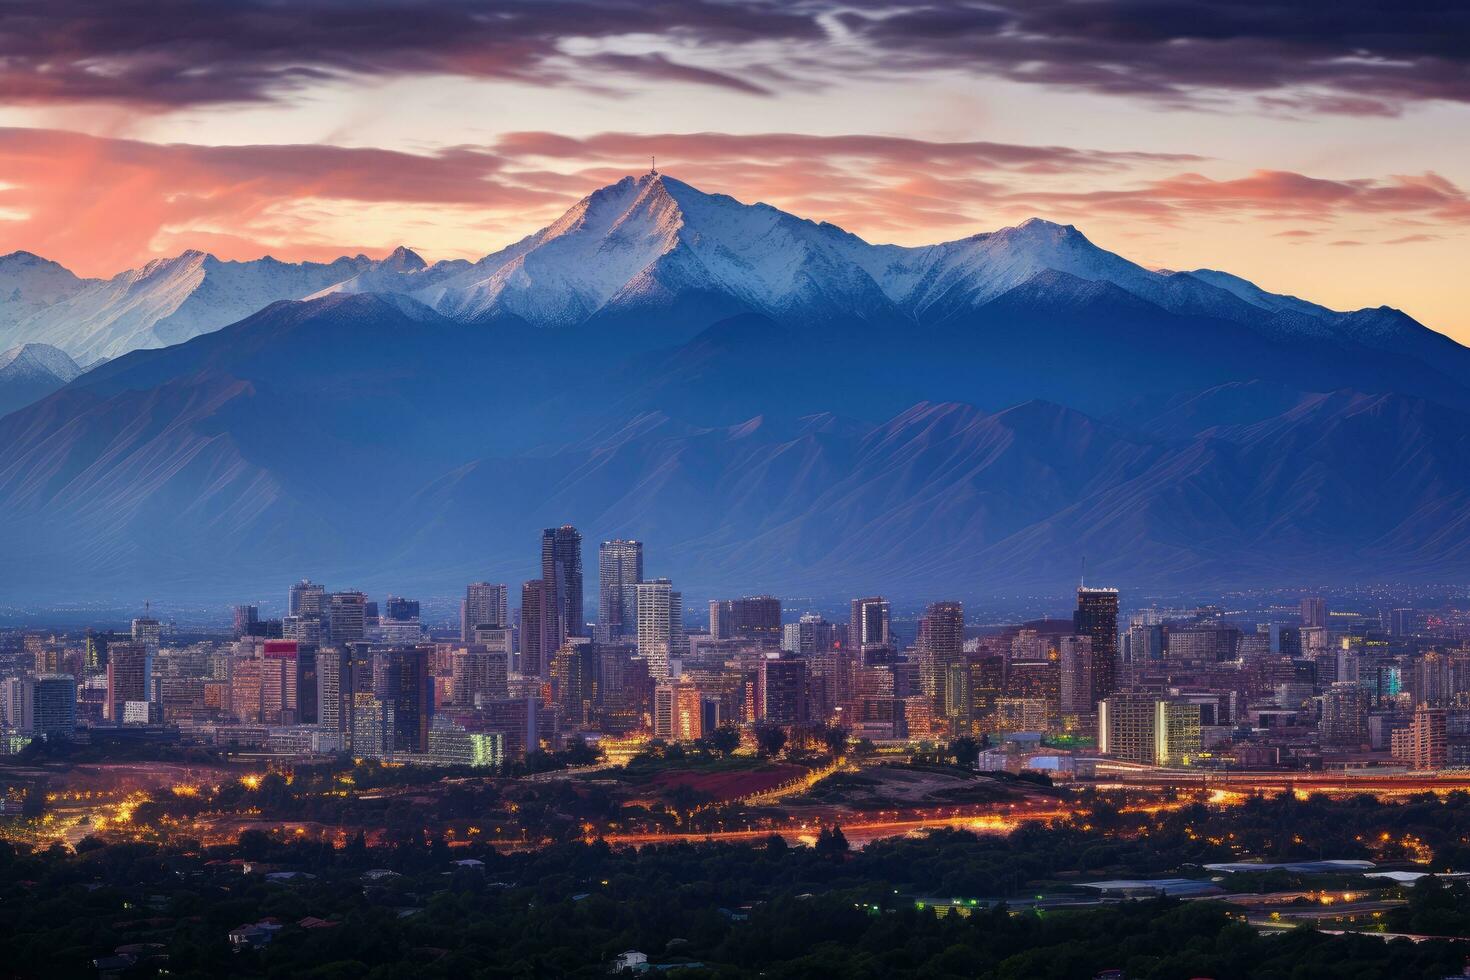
point(770, 739)
point(836, 739)
point(725, 739)
point(831, 842)
point(965, 751)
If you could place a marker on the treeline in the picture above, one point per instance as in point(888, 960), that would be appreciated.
point(734, 910)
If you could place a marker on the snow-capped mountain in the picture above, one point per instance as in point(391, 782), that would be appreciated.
point(663, 260)
point(31, 372)
point(30, 284)
point(171, 300)
point(646, 242)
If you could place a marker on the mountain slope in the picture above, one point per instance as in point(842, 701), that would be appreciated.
point(30, 284)
point(30, 372)
point(367, 438)
point(172, 300)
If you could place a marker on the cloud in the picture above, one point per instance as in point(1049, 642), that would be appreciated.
point(1356, 57)
point(171, 53)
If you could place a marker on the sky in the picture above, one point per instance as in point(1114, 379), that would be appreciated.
point(1318, 149)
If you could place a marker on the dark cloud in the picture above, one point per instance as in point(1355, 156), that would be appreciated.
point(1344, 56)
point(184, 52)
point(1306, 56)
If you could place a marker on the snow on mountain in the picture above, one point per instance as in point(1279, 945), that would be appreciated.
point(172, 300)
point(645, 241)
point(37, 360)
point(652, 244)
point(29, 284)
point(31, 372)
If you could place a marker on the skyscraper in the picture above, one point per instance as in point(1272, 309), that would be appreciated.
point(129, 677)
point(561, 571)
point(755, 617)
point(533, 629)
point(149, 632)
point(346, 617)
point(941, 643)
point(660, 625)
point(620, 569)
point(869, 624)
point(1314, 611)
point(484, 605)
point(306, 598)
point(1097, 617)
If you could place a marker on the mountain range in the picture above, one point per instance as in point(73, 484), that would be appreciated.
point(769, 402)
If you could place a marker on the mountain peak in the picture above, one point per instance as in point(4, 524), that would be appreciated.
point(403, 259)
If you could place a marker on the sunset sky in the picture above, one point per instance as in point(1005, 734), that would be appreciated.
point(1321, 149)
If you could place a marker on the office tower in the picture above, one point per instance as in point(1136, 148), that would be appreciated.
point(278, 681)
point(399, 610)
point(1314, 611)
point(1097, 617)
point(1401, 622)
point(334, 689)
point(303, 629)
point(129, 678)
point(781, 689)
point(748, 618)
point(44, 705)
point(306, 598)
point(1149, 730)
point(868, 625)
point(678, 712)
point(246, 618)
point(149, 632)
point(403, 686)
point(94, 655)
point(1076, 682)
point(1344, 722)
point(346, 617)
point(619, 569)
point(941, 642)
point(533, 629)
point(479, 673)
point(574, 677)
point(484, 604)
point(660, 625)
point(561, 571)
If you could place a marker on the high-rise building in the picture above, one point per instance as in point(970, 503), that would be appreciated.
point(534, 611)
point(941, 643)
point(748, 618)
point(45, 704)
point(334, 689)
point(149, 632)
point(1424, 744)
point(869, 624)
point(246, 618)
point(306, 598)
point(620, 569)
point(403, 685)
point(660, 625)
point(346, 617)
point(1344, 722)
point(485, 604)
point(1097, 617)
point(129, 678)
point(94, 654)
point(1314, 611)
point(478, 673)
point(561, 571)
point(1076, 681)
point(1149, 730)
point(678, 712)
point(781, 690)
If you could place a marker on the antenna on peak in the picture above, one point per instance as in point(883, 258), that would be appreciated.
point(653, 166)
point(1082, 582)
